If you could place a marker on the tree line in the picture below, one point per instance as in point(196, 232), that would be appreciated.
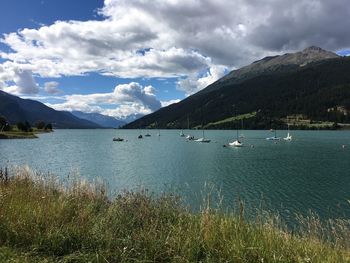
point(24, 126)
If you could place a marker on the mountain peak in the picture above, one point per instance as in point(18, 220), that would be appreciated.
point(314, 48)
point(274, 64)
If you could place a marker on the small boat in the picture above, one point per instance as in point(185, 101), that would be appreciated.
point(118, 139)
point(236, 143)
point(182, 133)
point(203, 139)
point(140, 136)
point(289, 137)
point(190, 137)
point(273, 138)
point(148, 135)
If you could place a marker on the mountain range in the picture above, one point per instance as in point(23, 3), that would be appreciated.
point(102, 120)
point(15, 109)
point(313, 84)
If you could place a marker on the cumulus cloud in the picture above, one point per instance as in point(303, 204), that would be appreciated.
point(24, 82)
point(52, 87)
point(173, 38)
point(193, 84)
point(125, 100)
point(169, 102)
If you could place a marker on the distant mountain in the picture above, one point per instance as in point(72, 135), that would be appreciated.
point(313, 84)
point(133, 117)
point(16, 109)
point(102, 120)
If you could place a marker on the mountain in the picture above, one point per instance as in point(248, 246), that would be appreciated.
point(273, 64)
point(16, 109)
point(102, 120)
point(312, 84)
point(133, 117)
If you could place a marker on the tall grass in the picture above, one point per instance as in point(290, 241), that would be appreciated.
point(41, 220)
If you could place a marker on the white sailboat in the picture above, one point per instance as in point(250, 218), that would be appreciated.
point(203, 139)
point(236, 143)
point(189, 137)
point(182, 133)
point(289, 137)
point(274, 138)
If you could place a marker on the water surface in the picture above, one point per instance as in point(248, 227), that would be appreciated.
point(309, 173)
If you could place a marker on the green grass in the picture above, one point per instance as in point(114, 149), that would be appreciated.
point(230, 119)
point(43, 221)
point(14, 133)
point(17, 135)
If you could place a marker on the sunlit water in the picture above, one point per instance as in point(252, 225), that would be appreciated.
point(311, 173)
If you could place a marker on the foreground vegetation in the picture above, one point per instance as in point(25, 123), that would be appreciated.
point(43, 221)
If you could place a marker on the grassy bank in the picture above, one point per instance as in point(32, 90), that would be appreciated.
point(17, 135)
point(43, 221)
point(14, 133)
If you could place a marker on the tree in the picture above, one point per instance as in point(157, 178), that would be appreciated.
point(40, 125)
point(4, 125)
point(21, 126)
point(24, 126)
point(28, 126)
point(48, 127)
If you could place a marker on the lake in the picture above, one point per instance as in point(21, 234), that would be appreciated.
point(311, 173)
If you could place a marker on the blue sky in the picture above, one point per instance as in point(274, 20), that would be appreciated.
point(127, 57)
point(35, 13)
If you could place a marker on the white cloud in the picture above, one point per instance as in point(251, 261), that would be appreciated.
point(169, 102)
point(24, 82)
point(172, 38)
point(126, 99)
point(193, 84)
point(52, 87)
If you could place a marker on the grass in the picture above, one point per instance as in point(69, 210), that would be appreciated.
point(42, 220)
point(230, 119)
point(14, 133)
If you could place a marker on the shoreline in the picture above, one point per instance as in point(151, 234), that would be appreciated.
point(15, 134)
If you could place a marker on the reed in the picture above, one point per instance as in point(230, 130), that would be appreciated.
point(44, 220)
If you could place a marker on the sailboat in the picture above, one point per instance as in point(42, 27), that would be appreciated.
point(274, 138)
point(182, 133)
point(289, 137)
point(203, 139)
point(156, 125)
point(236, 143)
point(189, 137)
point(140, 136)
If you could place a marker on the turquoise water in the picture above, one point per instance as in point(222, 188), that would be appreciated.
point(310, 173)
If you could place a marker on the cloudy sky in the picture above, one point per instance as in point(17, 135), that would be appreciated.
point(124, 57)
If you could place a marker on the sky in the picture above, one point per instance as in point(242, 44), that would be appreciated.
point(127, 57)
